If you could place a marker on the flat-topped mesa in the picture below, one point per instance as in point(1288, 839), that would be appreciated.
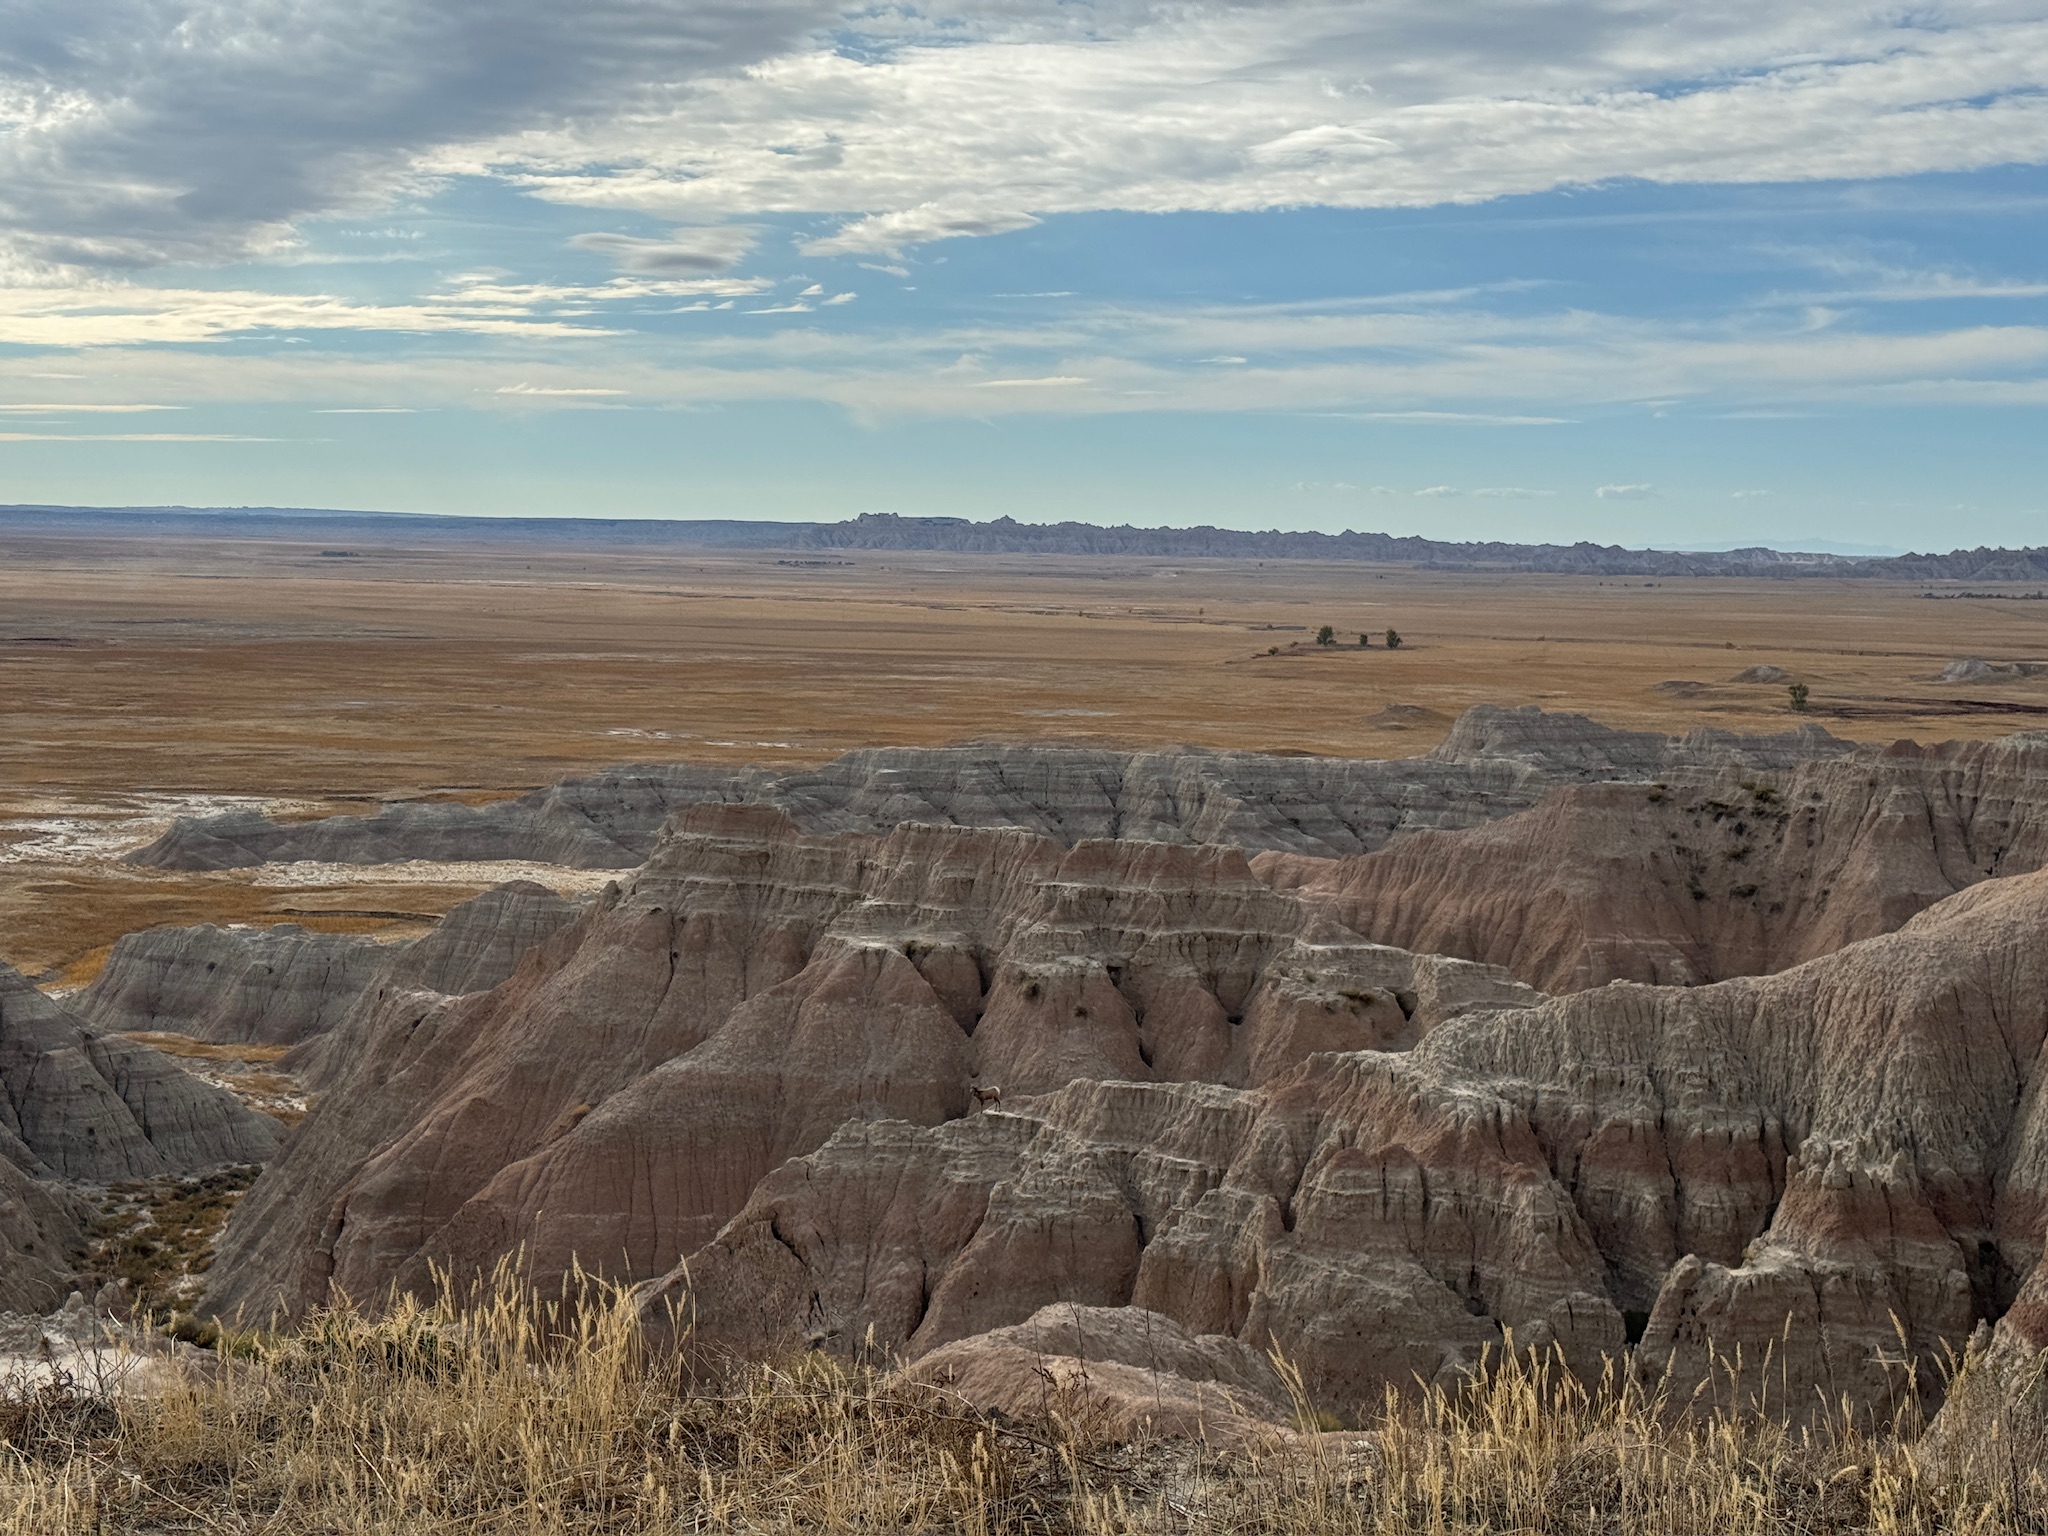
point(1561, 745)
point(1495, 762)
point(756, 986)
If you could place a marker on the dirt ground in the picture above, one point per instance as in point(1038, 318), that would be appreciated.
point(140, 680)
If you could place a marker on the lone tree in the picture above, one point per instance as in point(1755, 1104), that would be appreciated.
point(1326, 636)
point(1365, 642)
point(1798, 692)
point(1393, 639)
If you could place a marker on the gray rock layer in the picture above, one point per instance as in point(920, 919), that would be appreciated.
point(79, 1107)
point(1494, 763)
point(606, 820)
point(76, 1104)
point(286, 986)
point(1832, 1161)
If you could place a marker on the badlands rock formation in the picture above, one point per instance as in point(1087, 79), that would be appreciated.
point(755, 988)
point(1122, 1372)
point(264, 986)
point(606, 820)
point(1858, 1146)
point(283, 985)
point(1685, 882)
point(78, 1107)
point(1213, 1051)
point(1494, 763)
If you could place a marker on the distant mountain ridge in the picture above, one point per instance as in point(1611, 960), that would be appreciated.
point(1005, 535)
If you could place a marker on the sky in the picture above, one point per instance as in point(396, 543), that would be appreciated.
point(1628, 270)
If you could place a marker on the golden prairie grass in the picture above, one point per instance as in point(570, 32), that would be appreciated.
point(512, 1415)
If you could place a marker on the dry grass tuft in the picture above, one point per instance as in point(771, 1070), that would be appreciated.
point(155, 1237)
point(516, 1415)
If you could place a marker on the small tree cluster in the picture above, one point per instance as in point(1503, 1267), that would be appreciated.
point(1327, 635)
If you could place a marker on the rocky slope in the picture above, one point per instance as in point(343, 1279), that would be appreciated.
point(78, 1107)
point(908, 1049)
point(284, 986)
point(1687, 883)
point(757, 986)
point(1827, 1160)
point(605, 820)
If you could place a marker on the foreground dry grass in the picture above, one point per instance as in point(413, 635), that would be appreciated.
point(514, 1418)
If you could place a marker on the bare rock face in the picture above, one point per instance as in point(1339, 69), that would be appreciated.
point(285, 986)
point(268, 986)
point(1828, 1160)
point(80, 1105)
point(606, 820)
point(40, 1237)
point(480, 942)
point(77, 1107)
point(1122, 1373)
point(1494, 762)
point(756, 987)
point(1682, 884)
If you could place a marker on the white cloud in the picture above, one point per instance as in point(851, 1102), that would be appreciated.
point(1636, 492)
point(1512, 492)
point(63, 409)
point(105, 312)
point(1463, 418)
point(555, 389)
point(135, 131)
point(1004, 116)
point(1442, 365)
point(687, 252)
point(1055, 381)
point(1438, 490)
point(886, 234)
point(131, 437)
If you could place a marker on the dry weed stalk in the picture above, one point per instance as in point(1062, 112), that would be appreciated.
point(510, 1413)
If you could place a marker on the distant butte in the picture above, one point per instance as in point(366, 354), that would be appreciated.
point(881, 531)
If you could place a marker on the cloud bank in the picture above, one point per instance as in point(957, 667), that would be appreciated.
point(136, 132)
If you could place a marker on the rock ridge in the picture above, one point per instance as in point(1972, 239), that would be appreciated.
point(1494, 763)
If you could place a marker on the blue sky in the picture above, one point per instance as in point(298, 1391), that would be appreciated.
point(1503, 270)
